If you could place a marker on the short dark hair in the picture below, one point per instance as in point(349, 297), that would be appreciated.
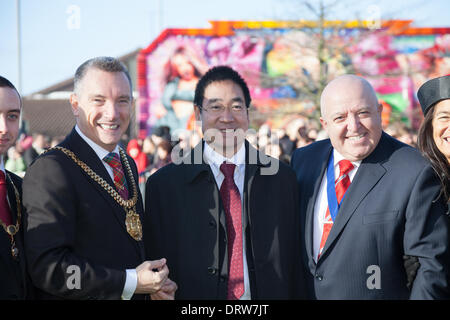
point(5, 83)
point(108, 64)
point(220, 73)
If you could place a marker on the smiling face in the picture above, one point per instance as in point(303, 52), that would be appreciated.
point(351, 116)
point(224, 117)
point(102, 106)
point(9, 118)
point(441, 127)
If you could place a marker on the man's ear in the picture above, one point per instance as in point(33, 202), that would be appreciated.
point(380, 108)
point(74, 103)
point(323, 122)
point(198, 113)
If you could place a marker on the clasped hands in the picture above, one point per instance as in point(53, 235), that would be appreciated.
point(153, 279)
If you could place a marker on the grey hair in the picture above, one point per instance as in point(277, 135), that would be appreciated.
point(108, 64)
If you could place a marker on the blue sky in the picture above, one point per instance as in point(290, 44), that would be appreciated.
point(55, 42)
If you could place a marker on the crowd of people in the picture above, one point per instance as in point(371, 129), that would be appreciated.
point(153, 152)
point(342, 210)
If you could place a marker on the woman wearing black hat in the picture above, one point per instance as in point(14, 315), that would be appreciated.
point(434, 134)
point(434, 142)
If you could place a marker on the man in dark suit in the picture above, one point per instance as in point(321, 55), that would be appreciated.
point(14, 282)
point(225, 215)
point(367, 200)
point(84, 235)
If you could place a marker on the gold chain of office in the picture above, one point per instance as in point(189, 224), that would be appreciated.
point(132, 221)
point(13, 229)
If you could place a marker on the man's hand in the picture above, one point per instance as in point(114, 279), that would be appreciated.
point(151, 276)
point(411, 264)
point(167, 291)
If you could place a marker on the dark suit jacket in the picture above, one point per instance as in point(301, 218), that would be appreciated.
point(14, 280)
point(390, 209)
point(73, 221)
point(185, 220)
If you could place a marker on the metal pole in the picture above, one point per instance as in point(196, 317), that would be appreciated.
point(19, 49)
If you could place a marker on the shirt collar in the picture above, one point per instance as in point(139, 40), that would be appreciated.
point(99, 151)
point(338, 157)
point(215, 159)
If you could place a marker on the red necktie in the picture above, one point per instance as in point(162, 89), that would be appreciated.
point(341, 186)
point(5, 211)
point(231, 200)
point(113, 160)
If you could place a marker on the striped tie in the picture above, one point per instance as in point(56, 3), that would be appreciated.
point(341, 185)
point(113, 160)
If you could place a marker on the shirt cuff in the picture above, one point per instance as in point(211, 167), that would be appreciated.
point(130, 284)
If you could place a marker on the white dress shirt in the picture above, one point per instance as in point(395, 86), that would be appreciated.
point(131, 278)
point(321, 205)
point(214, 160)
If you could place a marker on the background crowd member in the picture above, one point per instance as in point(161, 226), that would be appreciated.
point(40, 143)
point(14, 281)
point(135, 151)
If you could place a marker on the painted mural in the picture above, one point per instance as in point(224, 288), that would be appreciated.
point(272, 57)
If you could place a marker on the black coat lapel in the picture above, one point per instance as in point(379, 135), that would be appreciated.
point(316, 175)
point(12, 197)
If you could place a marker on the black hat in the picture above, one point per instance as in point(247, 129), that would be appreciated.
point(433, 91)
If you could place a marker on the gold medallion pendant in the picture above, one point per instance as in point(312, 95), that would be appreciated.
point(133, 223)
point(14, 250)
point(132, 220)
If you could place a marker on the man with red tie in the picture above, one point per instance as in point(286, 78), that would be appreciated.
point(14, 282)
point(84, 237)
point(366, 201)
point(225, 216)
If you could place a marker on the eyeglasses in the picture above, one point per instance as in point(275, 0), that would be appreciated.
point(236, 109)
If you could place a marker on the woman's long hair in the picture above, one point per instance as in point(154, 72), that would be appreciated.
point(427, 146)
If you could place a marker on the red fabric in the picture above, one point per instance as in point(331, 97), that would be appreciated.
point(232, 204)
point(141, 158)
point(113, 160)
point(341, 185)
point(5, 211)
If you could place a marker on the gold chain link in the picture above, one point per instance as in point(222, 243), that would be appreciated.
point(13, 229)
point(127, 204)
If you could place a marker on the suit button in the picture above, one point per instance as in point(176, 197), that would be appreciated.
point(212, 224)
point(212, 270)
point(318, 277)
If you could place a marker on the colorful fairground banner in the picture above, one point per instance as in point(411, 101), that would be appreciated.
point(286, 64)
